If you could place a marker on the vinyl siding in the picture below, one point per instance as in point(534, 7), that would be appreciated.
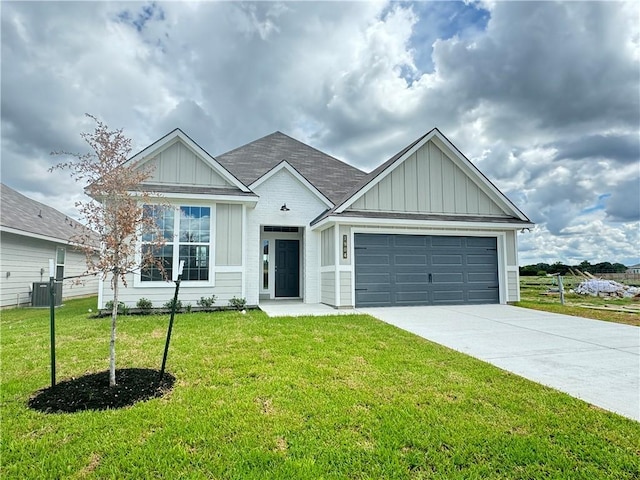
point(513, 286)
point(345, 289)
point(428, 182)
point(23, 258)
point(328, 288)
point(227, 285)
point(178, 164)
point(228, 244)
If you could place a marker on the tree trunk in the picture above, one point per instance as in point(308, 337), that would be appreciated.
point(112, 343)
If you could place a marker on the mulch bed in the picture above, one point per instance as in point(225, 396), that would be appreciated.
point(92, 391)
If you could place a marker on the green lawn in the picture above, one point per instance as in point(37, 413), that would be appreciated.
point(294, 398)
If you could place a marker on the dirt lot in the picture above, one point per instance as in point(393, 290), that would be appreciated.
point(541, 293)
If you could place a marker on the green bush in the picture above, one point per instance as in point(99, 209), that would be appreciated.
point(144, 304)
point(122, 308)
point(238, 303)
point(207, 302)
point(169, 305)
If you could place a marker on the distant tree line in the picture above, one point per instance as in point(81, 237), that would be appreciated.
point(561, 268)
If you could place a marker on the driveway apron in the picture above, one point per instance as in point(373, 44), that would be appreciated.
point(596, 361)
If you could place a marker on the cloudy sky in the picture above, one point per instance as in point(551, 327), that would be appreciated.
point(543, 97)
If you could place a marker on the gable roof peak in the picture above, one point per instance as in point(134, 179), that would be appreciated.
point(330, 176)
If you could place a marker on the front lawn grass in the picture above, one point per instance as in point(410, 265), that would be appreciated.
point(294, 398)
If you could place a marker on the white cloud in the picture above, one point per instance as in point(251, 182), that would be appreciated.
point(542, 96)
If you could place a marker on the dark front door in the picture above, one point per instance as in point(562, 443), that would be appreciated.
point(287, 268)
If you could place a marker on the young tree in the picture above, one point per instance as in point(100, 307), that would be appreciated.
point(115, 213)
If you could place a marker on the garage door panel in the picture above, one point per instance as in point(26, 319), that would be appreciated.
point(395, 269)
point(482, 277)
point(408, 287)
point(451, 259)
point(411, 278)
point(368, 240)
point(409, 241)
point(375, 299)
point(444, 242)
point(480, 242)
point(374, 278)
point(448, 296)
point(454, 277)
point(371, 259)
point(481, 296)
point(412, 298)
point(480, 259)
point(410, 259)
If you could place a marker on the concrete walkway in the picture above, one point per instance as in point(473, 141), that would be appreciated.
point(596, 361)
point(295, 308)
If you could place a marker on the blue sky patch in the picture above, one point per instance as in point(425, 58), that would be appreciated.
point(599, 205)
point(139, 19)
point(443, 20)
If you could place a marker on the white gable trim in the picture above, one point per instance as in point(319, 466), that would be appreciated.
point(152, 150)
point(251, 201)
point(39, 236)
point(397, 222)
point(469, 168)
point(284, 165)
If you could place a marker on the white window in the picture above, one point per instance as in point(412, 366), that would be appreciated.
point(187, 234)
point(60, 257)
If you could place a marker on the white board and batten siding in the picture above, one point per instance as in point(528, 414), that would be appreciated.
point(179, 165)
point(22, 260)
point(428, 182)
point(228, 246)
point(431, 182)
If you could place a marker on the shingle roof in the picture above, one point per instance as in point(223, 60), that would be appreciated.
point(329, 175)
point(22, 213)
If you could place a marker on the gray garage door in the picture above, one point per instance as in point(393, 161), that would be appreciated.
point(425, 270)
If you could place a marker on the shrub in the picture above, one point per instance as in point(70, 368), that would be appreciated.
point(238, 303)
point(122, 308)
point(144, 304)
point(169, 305)
point(207, 302)
point(187, 308)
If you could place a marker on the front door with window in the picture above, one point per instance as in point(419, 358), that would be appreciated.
point(287, 268)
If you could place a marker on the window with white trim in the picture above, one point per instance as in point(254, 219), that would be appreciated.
point(60, 257)
point(187, 235)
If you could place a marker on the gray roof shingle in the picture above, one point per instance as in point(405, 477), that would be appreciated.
point(31, 217)
point(332, 177)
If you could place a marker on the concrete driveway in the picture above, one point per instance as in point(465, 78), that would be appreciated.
point(596, 361)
